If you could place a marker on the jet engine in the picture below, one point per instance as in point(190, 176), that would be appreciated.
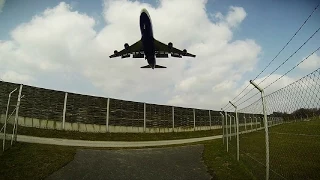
point(185, 52)
point(126, 46)
point(170, 45)
point(115, 52)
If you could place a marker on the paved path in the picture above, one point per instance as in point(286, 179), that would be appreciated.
point(85, 143)
point(150, 164)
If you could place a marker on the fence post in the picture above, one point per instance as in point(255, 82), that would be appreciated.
point(172, 118)
point(144, 117)
point(265, 128)
point(256, 123)
point(226, 120)
point(5, 121)
point(107, 118)
point(251, 122)
point(222, 125)
point(64, 109)
point(237, 122)
point(230, 134)
point(194, 119)
point(15, 126)
point(245, 122)
point(234, 125)
point(210, 119)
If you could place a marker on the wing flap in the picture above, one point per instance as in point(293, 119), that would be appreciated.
point(133, 49)
point(163, 48)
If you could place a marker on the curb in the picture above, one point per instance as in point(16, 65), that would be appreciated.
point(86, 143)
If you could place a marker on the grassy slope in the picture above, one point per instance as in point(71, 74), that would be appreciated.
point(292, 156)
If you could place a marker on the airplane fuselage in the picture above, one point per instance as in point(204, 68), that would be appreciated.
point(147, 38)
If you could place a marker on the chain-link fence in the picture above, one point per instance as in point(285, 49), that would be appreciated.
point(8, 101)
point(290, 149)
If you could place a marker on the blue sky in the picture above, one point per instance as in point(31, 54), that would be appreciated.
point(269, 23)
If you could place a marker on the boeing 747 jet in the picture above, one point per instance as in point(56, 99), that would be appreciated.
point(148, 47)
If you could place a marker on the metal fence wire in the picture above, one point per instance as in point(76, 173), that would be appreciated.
point(293, 115)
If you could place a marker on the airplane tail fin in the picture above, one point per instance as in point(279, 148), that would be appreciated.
point(157, 66)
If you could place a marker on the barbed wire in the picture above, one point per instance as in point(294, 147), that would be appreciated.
point(288, 42)
point(291, 55)
point(281, 89)
point(248, 99)
point(280, 66)
point(227, 105)
point(293, 67)
point(280, 78)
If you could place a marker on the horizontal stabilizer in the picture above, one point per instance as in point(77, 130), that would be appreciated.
point(157, 66)
point(147, 66)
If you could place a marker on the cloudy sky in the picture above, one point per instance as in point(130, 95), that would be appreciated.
point(65, 45)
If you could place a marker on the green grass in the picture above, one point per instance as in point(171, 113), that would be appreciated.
point(223, 165)
point(33, 161)
point(292, 156)
point(303, 127)
point(115, 136)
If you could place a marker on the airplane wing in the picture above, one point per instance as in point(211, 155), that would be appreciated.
point(135, 48)
point(164, 48)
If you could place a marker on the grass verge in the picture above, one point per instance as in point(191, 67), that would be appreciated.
point(222, 165)
point(33, 161)
point(114, 136)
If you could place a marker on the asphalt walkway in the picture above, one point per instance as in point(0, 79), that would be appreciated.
point(154, 163)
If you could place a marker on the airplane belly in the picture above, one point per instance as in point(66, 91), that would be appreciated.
point(145, 25)
point(147, 38)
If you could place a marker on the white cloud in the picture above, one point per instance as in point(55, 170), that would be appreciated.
point(12, 76)
point(235, 16)
point(62, 39)
point(2, 2)
point(52, 40)
point(312, 63)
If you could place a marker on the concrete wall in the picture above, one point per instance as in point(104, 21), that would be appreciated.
point(96, 128)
